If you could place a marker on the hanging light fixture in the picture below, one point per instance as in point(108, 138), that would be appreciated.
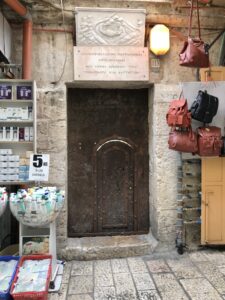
point(160, 39)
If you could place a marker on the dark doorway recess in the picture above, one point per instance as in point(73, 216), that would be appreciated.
point(108, 172)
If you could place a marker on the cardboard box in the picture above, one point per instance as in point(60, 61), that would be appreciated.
point(16, 134)
point(3, 158)
point(24, 113)
point(3, 113)
point(31, 134)
point(21, 133)
point(30, 112)
point(13, 177)
point(2, 131)
point(8, 133)
point(13, 164)
point(5, 151)
point(14, 158)
point(27, 134)
point(3, 164)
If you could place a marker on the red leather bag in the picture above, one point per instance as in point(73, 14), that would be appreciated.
point(183, 141)
point(209, 141)
point(178, 114)
point(194, 52)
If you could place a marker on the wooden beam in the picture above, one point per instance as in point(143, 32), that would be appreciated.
point(179, 21)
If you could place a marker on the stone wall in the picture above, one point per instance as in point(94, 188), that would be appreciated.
point(49, 53)
point(163, 166)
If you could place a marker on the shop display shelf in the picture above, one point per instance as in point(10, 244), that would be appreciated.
point(6, 295)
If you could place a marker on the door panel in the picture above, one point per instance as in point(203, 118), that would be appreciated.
point(107, 162)
point(115, 185)
point(214, 214)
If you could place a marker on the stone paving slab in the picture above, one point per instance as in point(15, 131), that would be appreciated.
point(81, 285)
point(158, 266)
point(80, 297)
point(197, 275)
point(200, 289)
point(104, 293)
point(183, 268)
point(119, 266)
point(214, 276)
point(143, 281)
point(169, 288)
point(82, 268)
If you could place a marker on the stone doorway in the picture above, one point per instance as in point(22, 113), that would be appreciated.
point(108, 181)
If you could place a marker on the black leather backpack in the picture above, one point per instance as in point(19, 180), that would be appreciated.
point(205, 107)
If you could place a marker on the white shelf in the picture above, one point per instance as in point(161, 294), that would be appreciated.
point(15, 182)
point(17, 142)
point(16, 101)
point(16, 122)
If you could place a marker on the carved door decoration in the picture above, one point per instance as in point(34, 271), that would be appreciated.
point(107, 162)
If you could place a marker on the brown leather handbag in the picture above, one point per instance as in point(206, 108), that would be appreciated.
point(194, 53)
point(183, 141)
point(178, 114)
point(209, 141)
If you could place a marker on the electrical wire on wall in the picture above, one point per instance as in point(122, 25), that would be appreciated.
point(66, 45)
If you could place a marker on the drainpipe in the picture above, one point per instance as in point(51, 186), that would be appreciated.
point(27, 36)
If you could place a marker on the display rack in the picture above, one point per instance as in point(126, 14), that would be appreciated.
point(17, 117)
point(16, 96)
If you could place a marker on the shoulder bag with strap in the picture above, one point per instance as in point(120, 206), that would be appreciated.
point(195, 52)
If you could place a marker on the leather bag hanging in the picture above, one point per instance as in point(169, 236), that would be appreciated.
point(194, 53)
point(205, 107)
point(209, 141)
point(178, 114)
point(183, 141)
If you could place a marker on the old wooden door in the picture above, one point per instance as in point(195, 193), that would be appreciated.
point(107, 162)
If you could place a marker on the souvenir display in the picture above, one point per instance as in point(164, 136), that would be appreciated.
point(7, 269)
point(37, 206)
point(3, 199)
point(32, 276)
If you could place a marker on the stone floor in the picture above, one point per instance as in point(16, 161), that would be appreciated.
point(196, 275)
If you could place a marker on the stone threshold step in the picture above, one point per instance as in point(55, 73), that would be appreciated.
point(104, 247)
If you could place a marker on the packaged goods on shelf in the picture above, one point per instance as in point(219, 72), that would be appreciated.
point(6, 151)
point(2, 133)
point(30, 112)
point(12, 164)
point(3, 199)
point(9, 133)
point(3, 164)
point(26, 134)
point(36, 206)
point(31, 137)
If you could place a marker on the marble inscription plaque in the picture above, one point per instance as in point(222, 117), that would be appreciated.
point(111, 63)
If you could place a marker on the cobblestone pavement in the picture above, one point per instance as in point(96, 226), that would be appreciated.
point(196, 275)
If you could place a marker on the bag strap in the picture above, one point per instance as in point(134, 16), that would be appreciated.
point(190, 19)
point(181, 94)
point(216, 38)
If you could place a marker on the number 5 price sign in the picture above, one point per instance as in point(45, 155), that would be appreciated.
point(39, 167)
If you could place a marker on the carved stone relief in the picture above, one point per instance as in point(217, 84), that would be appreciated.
point(110, 27)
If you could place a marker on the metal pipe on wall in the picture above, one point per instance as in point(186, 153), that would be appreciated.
point(16, 6)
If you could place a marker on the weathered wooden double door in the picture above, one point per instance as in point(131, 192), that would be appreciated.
point(108, 162)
